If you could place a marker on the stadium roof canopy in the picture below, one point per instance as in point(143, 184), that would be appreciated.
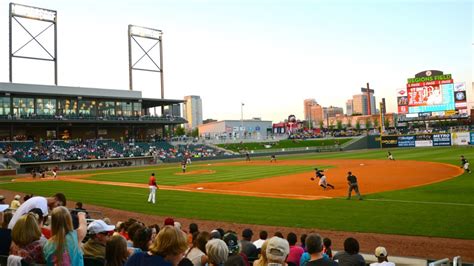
point(66, 91)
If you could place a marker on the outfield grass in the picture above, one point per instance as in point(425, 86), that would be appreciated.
point(284, 144)
point(444, 209)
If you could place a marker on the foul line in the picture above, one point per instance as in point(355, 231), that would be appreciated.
point(425, 202)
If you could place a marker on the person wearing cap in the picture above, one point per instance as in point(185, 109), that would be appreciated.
point(15, 203)
point(232, 243)
point(169, 221)
point(350, 255)
point(99, 233)
point(277, 251)
point(314, 245)
point(248, 248)
point(382, 258)
point(45, 204)
point(2, 199)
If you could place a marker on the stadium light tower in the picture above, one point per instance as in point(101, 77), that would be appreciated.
point(241, 119)
point(135, 32)
point(38, 14)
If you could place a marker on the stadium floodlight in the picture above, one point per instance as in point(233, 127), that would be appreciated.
point(145, 32)
point(31, 12)
point(42, 15)
point(135, 33)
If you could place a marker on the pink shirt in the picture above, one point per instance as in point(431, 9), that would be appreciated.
point(295, 254)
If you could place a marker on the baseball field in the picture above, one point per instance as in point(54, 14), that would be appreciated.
point(424, 192)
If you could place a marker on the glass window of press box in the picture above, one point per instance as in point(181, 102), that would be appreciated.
point(5, 106)
point(45, 106)
point(23, 106)
point(106, 108)
point(67, 107)
point(137, 109)
point(124, 108)
point(87, 108)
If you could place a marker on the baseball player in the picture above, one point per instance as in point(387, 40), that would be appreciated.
point(183, 166)
point(153, 188)
point(247, 156)
point(390, 156)
point(55, 172)
point(273, 158)
point(465, 164)
point(322, 179)
point(352, 181)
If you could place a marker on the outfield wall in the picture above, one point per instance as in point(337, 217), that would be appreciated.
point(428, 140)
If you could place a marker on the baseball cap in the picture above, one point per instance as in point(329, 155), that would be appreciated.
point(99, 226)
point(177, 225)
point(17, 197)
point(2, 197)
point(247, 233)
point(380, 252)
point(277, 248)
point(215, 234)
point(232, 243)
point(169, 221)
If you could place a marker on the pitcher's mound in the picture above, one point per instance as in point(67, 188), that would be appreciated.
point(197, 172)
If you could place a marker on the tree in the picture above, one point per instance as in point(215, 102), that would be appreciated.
point(339, 125)
point(179, 131)
point(349, 123)
point(368, 124)
point(358, 125)
point(195, 133)
point(376, 123)
point(321, 124)
point(386, 123)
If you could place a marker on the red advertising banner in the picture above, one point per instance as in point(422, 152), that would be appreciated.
point(429, 83)
point(403, 109)
point(427, 95)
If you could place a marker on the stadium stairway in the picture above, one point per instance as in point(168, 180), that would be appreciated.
point(357, 143)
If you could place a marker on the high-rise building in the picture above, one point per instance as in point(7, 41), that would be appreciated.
point(317, 113)
point(333, 111)
point(359, 104)
point(192, 111)
point(308, 103)
point(349, 107)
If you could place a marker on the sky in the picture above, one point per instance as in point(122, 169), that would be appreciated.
point(269, 55)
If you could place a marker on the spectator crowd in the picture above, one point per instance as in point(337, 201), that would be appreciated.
point(42, 231)
point(58, 150)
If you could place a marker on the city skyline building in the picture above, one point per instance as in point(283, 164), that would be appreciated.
point(192, 111)
point(359, 104)
point(308, 104)
point(349, 107)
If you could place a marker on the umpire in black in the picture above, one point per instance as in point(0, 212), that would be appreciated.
point(352, 181)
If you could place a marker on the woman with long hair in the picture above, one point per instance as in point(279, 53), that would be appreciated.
point(25, 235)
point(63, 248)
point(197, 253)
point(262, 260)
point(167, 248)
point(116, 253)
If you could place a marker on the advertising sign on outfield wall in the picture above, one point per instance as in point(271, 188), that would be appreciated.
point(472, 138)
point(442, 139)
point(390, 141)
point(424, 140)
point(406, 141)
point(460, 138)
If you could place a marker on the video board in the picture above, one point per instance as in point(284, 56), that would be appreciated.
point(432, 95)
